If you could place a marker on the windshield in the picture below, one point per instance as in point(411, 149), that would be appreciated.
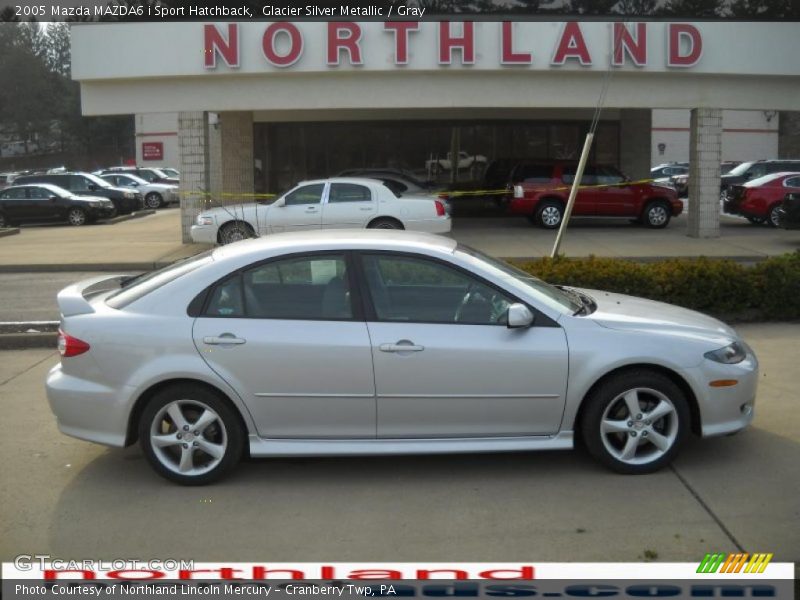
point(98, 181)
point(548, 294)
point(741, 169)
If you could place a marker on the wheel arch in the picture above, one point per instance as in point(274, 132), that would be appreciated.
point(691, 398)
point(385, 218)
point(551, 198)
point(230, 222)
point(132, 435)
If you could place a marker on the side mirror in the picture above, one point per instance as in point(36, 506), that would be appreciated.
point(53, 198)
point(519, 316)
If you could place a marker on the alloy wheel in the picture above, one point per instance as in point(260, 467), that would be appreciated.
point(774, 217)
point(551, 216)
point(152, 200)
point(76, 217)
point(188, 437)
point(657, 215)
point(639, 426)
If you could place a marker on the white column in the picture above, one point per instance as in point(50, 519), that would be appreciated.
point(705, 155)
point(193, 149)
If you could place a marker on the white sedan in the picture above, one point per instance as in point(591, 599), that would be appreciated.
point(155, 195)
point(334, 203)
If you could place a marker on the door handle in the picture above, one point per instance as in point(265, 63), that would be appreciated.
point(224, 339)
point(366, 208)
point(401, 346)
point(311, 209)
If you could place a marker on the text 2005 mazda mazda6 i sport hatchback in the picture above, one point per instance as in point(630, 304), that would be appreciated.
point(377, 342)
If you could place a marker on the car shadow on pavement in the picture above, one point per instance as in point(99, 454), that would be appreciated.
point(416, 507)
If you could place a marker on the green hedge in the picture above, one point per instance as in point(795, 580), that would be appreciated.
point(723, 288)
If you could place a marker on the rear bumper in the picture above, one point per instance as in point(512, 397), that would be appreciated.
point(437, 225)
point(87, 410)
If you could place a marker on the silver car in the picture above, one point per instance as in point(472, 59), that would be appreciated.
point(378, 342)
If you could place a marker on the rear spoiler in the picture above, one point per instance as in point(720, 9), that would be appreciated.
point(74, 299)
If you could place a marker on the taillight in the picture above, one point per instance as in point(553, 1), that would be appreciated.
point(440, 211)
point(70, 346)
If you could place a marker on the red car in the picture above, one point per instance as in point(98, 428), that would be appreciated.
point(540, 192)
point(759, 200)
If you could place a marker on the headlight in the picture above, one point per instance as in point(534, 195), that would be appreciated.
point(205, 220)
point(729, 355)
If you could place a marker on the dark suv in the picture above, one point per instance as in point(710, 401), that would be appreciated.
point(85, 184)
point(752, 169)
point(539, 191)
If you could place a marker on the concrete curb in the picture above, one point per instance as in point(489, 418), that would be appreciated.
point(21, 341)
point(6, 231)
point(134, 215)
point(146, 266)
point(76, 267)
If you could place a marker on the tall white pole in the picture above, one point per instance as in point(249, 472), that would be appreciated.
point(573, 192)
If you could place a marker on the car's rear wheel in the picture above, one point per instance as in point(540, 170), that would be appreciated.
point(153, 200)
point(657, 214)
point(385, 224)
point(549, 214)
point(77, 217)
point(4, 222)
point(773, 216)
point(235, 232)
point(190, 435)
point(635, 422)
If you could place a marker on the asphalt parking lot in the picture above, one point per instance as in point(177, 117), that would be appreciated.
point(72, 499)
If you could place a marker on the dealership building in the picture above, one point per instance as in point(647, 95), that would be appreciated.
point(250, 107)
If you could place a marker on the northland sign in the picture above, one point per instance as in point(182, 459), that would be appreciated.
point(283, 44)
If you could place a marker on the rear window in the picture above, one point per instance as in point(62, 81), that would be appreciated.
point(141, 285)
point(528, 173)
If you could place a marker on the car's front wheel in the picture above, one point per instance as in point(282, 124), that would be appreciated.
point(235, 232)
point(4, 222)
point(77, 217)
point(153, 200)
point(635, 422)
point(190, 435)
point(657, 214)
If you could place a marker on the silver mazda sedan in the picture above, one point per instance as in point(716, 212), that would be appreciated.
point(377, 342)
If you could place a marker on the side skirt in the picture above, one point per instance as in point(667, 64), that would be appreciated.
point(363, 447)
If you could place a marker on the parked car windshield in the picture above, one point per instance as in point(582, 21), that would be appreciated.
point(549, 294)
point(98, 181)
point(740, 169)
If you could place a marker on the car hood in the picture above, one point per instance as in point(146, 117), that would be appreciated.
point(618, 311)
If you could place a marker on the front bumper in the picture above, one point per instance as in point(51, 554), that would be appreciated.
point(204, 234)
point(105, 212)
point(787, 222)
point(725, 410)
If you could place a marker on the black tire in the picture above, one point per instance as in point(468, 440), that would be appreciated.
point(4, 222)
point(656, 214)
point(549, 214)
point(626, 431)
point(77, 217)
point(385, 223)
point(224, 431)
point(756, 220)
point(235, 231)
point(773, 216)
point(153, 200)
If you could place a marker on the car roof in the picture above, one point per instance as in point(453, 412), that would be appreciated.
point(337, 239)
point(362, 180)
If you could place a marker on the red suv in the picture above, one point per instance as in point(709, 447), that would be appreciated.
point(540, 192)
